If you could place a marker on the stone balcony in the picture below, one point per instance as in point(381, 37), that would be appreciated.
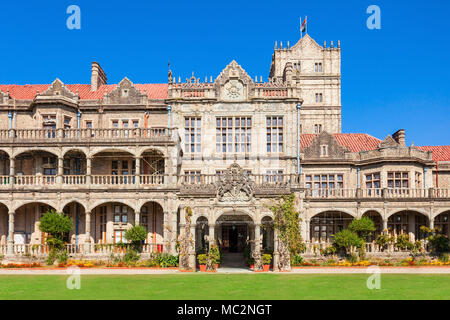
point(161, 135)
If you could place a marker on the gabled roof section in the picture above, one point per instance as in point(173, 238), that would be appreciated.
point(57, 88)
point(354, 142)
point(388, 142)
point(233, 70)
point(306, 41)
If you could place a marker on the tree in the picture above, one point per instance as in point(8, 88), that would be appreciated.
point(136, 235)
point(362, 227)
point(347, 239)
point(287, 222)
point(57, 226)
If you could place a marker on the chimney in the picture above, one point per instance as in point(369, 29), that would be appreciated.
point(98, 77)
point(399, 137)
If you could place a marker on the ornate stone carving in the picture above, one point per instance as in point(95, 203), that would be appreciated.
point(235, 185)
point(234, 90)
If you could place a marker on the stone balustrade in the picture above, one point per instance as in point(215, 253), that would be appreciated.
point(155, 134)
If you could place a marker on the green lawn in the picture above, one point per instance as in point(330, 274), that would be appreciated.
point(222, 286)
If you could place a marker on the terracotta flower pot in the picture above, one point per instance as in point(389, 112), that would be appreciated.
point(217, 266)
point(266, 267)
point(252, 266)
point(203, 268)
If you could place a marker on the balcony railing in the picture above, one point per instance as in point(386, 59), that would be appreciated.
point(49, 135)
point(386, 193)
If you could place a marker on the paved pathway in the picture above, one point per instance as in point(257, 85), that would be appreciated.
point(308, 270)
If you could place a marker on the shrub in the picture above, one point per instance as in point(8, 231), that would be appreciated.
point(328, 251)
point(444, 257)
point(202, 259)
point(165, 260)
point(352, 258)
point(136, 235)
point(297, 260)
point(131, 257)
point(266, 258)
point(363, 227)
point(383, 240)
point(403, 242)
point(347, 239)
point(55, 224)
point(214, 254)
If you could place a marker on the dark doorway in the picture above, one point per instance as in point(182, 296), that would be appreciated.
point(234, 238)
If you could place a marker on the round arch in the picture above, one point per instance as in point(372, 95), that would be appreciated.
point(51, 203)
point(324, 225)
point(142, 203)
point(321, 210)
point(7, 151)
point(95, 151)
point(377, 219)
point(408, 222)
point(106, 201)
point(395, 211)
point(442, 222)
point(66, 150)
point(231, 212)
point(67, 202)
point(54, 151)
point(157, 149)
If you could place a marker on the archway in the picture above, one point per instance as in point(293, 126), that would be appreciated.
point(234, 231)
point(76, 212)
point(407, 222)
point(26, 223)
point(152, 219)
point(74, 167)
point(442, 222)
point(36, 167)
point(377, 221)
point(113, 167)
point(109, 221)
point(4, 167)
point(268, 234)
point(201, 233)
point(4, 219)
point(325, 225)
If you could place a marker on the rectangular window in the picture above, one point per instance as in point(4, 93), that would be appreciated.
point(398, 180)
point(318, 67)
point(192, 176)
point(325, 184)
point(233, 134)
point(193, 134)
point(89, 124)
point(274, 176)
point(317, 128)
point(373, 183)
point(319, 98)
point(275, 137)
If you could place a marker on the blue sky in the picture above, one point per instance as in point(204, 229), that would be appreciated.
point(396, 77)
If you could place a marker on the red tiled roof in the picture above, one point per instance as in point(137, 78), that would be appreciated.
point(440, 153)
point(28, 92)
point(355, 142)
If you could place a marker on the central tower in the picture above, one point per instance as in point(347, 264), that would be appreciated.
point(316, 73)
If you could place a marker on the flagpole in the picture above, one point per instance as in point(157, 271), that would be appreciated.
point(301, 32)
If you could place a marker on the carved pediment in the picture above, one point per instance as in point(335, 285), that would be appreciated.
point(332, 147)
point(388, 142)
point(125, 93)
point(235, 185)
point(57, 89)
point(306, 45)
point(233, 83)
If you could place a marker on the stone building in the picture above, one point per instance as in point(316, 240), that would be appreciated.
point(114, 155)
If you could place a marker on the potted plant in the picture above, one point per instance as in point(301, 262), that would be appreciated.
point(266, 259)
point(202, 260)
point(214, 254)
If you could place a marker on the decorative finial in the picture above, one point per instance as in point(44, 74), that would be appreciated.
point(261, 79)
point(288, 45)
point(339, 43)
point(170, 76)
point(276, 45)
point(331, 44)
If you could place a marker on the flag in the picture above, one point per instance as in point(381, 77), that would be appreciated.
point(303, 27)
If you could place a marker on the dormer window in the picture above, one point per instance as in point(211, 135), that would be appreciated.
point(318, 67)
point(324, 151)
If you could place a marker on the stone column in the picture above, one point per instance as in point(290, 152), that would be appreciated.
point(212, 236)
point(137, 218)
point(192, 257)
point(257, 237)
point(87, 239)
point(431, 223)
point(59, 177)
point(174, 227)
point(385, 224)
point(276, 254)
point(12, 170)
point(138, 171)
point(167, 238)
point(10, 246)
point(88, 170)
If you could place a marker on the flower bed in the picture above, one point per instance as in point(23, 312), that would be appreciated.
point(381, 263)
